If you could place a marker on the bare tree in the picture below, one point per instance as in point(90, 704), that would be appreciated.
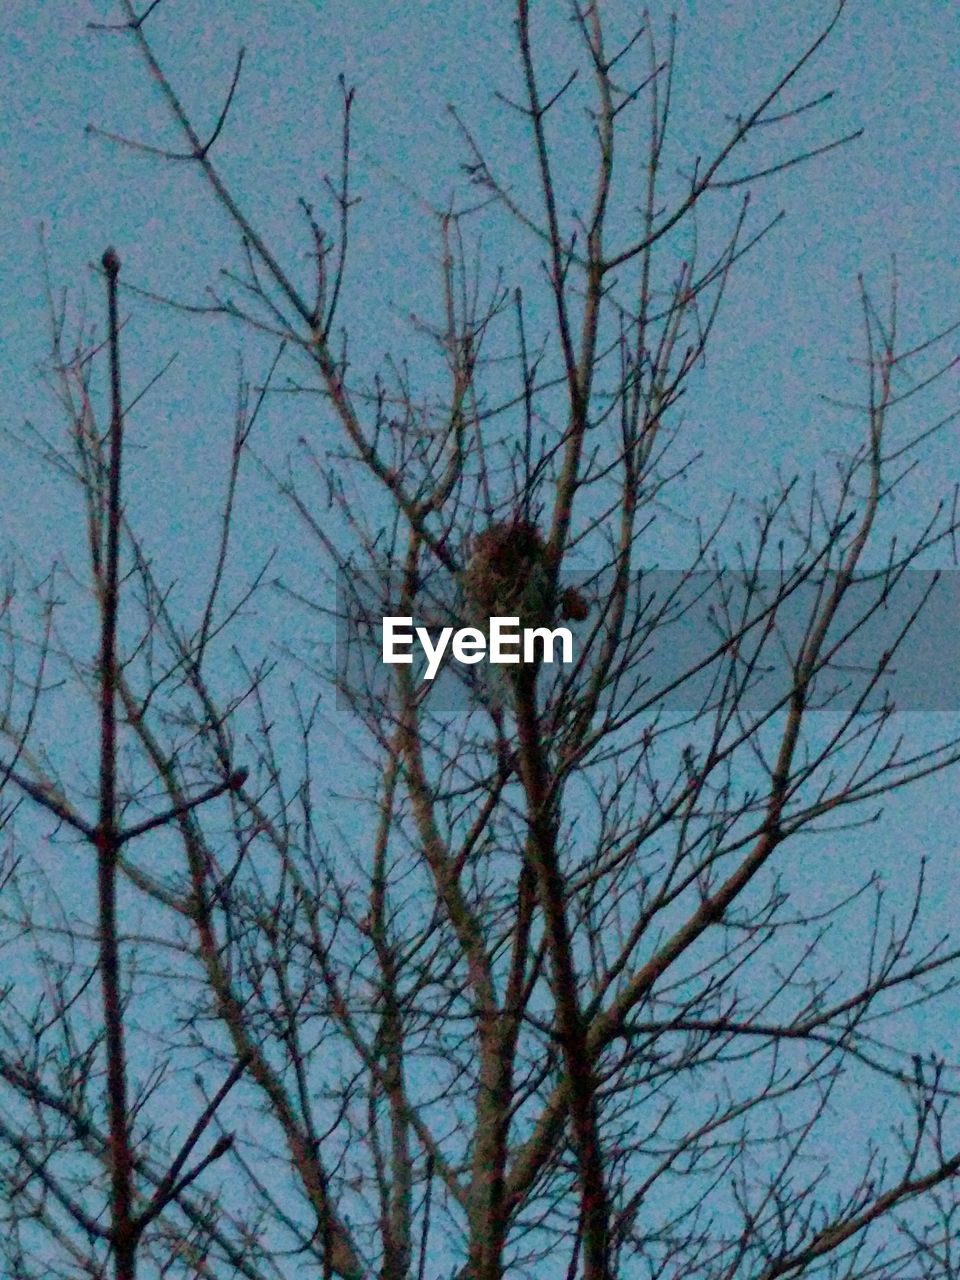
point(543, 995)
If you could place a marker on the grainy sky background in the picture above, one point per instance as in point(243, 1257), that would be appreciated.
point(791, 317)
point(792, 314)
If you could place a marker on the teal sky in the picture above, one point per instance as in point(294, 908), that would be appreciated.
point(791, 317)
point(792, 313)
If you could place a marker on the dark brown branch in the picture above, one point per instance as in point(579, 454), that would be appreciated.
point(123, 1230)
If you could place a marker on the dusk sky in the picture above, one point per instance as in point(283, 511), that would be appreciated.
point(792, 313)
point(791, 321)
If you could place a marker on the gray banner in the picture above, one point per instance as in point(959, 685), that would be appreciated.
point(686, 641)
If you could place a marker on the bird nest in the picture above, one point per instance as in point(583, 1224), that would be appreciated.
point(507, 576)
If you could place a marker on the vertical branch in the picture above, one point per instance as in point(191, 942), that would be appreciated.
point(580, 1077)
point(123, 1230)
